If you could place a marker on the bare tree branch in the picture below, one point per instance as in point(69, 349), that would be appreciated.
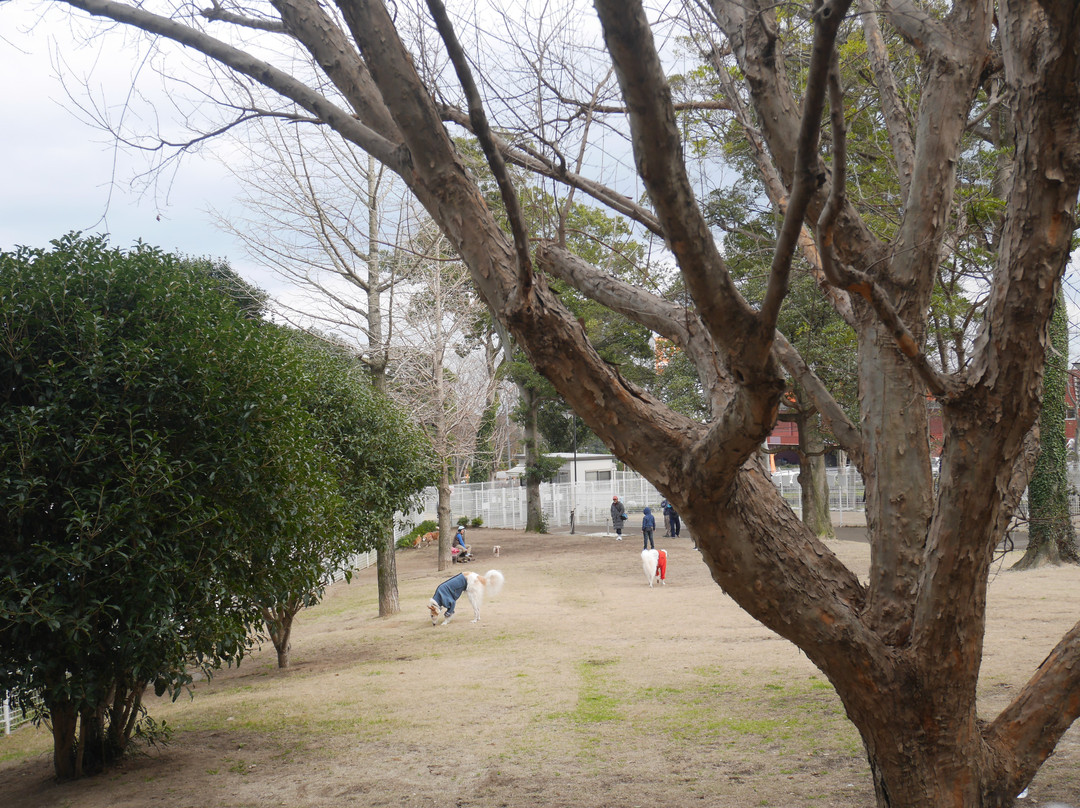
point(532, 161)
point(246, 64)
point(828, 18)
point(658, 153)
point(896, 122)
point(217, 13)
point(322, 36)
point(478, 118)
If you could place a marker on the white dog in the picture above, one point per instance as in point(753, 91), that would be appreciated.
point(471, 584)
point(654, 562)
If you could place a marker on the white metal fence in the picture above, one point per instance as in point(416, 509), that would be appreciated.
point(14, 717)
point(502, 504)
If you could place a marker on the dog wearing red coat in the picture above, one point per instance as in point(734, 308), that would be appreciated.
point(654, 562)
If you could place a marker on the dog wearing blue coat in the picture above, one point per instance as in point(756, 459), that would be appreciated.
point(444, 601)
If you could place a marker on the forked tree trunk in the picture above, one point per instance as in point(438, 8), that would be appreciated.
point(279, 624)
point(124, 714)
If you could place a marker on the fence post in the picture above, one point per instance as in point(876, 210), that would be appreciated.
point(7, 715)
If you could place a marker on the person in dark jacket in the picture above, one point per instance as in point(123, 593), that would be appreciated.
point(676, 523)
point(648, 526)
point(618, 517)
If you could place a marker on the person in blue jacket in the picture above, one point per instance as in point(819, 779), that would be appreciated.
point(458, 549)
point(673, 518)
point(446, 597)
point(648, 526)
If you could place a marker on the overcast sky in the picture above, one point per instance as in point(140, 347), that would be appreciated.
point(60, 173)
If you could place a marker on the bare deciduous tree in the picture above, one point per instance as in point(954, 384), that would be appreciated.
point(445, 392)
point(903, 649)
point(332, 223)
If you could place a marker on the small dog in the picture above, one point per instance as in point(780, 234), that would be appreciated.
point(473, 585)
point(496, 550)
point(654, 562)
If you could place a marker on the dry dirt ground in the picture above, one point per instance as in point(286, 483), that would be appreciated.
point(580, 687)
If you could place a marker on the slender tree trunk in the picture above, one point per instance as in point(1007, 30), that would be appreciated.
point(378, 347)
point(443, 511)
point(386, 561)
point(813, 480)
point(534, 514)
point(1051, 537)
point(279, 623)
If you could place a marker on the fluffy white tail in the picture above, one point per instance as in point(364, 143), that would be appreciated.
point(493, 581)
point(649, 560)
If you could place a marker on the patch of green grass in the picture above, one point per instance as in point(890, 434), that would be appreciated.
point(25, 742)
point(598, 702)
point(594, 705)
point(778, 715)
point(238, 766)
point(770, 728)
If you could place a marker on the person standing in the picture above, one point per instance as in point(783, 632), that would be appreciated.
point(665, 508)
point(676, 523)
point(648, 527)
point(618, 516)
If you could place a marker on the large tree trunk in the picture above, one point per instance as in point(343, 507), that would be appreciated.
point(65, 721)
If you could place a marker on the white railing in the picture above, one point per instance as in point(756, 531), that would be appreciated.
point(15, 718)
point(360, 561)
point(502, 504)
